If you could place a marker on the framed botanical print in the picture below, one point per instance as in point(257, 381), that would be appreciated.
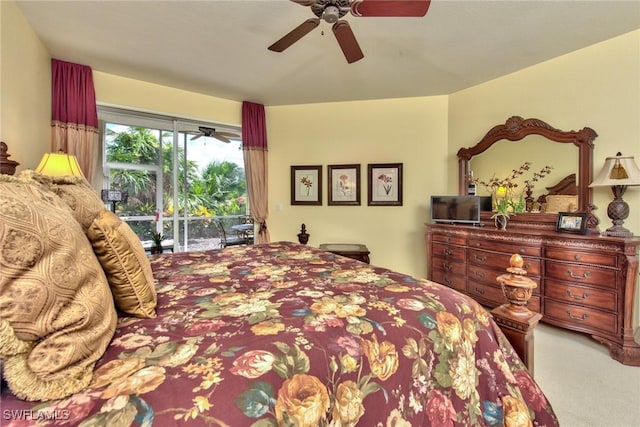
point(344, 185)
point(385, 184)
point(306, 185)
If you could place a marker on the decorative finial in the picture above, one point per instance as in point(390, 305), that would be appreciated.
point(6, 166)
point(517, 288)
point(303, 236)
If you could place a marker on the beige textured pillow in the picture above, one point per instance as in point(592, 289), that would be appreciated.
point(76, 192)
point(127, 266)
point(56, 311)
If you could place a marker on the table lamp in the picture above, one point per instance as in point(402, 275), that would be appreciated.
point(618, 172)
point(59, 164)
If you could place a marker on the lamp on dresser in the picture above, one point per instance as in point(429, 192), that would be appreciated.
point(618, 172)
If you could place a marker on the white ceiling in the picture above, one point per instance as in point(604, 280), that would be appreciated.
point(219, 47)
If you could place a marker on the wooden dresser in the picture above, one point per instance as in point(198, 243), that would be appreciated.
point(586, 283)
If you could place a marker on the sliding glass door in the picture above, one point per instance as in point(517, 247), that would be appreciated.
point(177, 179)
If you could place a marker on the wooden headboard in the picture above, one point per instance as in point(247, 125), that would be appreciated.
point(566, 186)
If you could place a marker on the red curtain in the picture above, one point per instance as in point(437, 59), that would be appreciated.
point(254, 146)
point(74, 117)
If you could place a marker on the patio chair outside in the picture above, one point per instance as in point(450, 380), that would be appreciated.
point(227, 240)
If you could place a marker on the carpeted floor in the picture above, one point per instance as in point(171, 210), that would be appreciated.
point(585, 386)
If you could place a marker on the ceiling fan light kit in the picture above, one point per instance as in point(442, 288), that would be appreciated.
point(331, 11)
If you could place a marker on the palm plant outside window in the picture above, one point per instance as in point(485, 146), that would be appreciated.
point(176, 185)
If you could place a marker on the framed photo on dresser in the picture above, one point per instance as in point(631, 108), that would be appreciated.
point(572, 222)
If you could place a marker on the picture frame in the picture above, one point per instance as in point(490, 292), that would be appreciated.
point(384, 181)
point(343, 185)
point(572, 222)
point(306, 185)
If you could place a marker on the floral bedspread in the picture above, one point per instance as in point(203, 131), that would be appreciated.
point(285, 334)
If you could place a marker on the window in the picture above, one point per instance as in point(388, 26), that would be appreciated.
point(177, 178)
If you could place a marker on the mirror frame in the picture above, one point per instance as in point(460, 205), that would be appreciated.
point(515, 129)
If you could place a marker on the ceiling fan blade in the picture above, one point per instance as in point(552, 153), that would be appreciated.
point(295, 35)
point(304, 2)
point(227, 134)
point(347, 41)
point(195, 137)
point(382, 8)
point(221, 138)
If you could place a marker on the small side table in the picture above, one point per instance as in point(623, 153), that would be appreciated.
point(355, 251)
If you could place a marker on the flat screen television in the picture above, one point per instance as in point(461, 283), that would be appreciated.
point(458, 209)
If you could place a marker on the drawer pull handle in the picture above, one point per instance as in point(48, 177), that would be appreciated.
point(448, 252)
point(577, 257)
point(446, 280)
point(480, 258)
point(585, 275)
point(521, 250)
point(585, 295)
point(446, 266)
point(480, 291)
point(580, 318)
point(479, 275)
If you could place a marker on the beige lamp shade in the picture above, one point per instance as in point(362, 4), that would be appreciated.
point(618, 170)
point(59, 164)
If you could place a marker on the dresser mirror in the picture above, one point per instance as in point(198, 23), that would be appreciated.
point(504, 156)
point(521, 140)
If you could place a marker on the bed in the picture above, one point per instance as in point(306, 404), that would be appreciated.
point(286, 334)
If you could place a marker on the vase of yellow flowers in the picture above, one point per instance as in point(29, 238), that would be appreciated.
point(506, 198)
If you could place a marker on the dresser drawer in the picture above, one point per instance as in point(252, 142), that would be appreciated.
point(454, 281)
point(592, 297)
point(533, 251)
point(449, 252)
point(447, 238)
point(582, 274)
point(580, 318)
point(490, 276)
point(448, 266)
point(501, 261)
point(486, 294)
point(583, 257)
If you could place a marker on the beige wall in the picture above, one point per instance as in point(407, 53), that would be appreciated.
point(25, 89)
point(597, 87)
point(124, 92)
point(411, 131)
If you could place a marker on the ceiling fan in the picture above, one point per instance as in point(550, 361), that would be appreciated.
point(332, 10)
point(212, 133)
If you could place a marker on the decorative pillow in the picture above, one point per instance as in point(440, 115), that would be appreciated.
point(76, 192)
point(56, 310)
point(127, 266)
